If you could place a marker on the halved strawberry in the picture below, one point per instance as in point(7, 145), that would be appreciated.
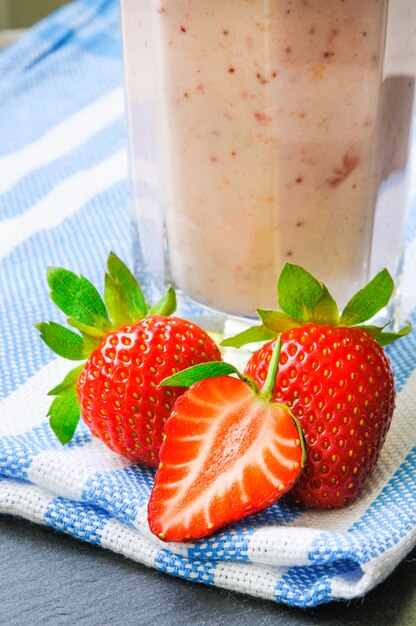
point(228, 452)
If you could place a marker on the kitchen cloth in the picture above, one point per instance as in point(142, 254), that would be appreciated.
point(64, 201)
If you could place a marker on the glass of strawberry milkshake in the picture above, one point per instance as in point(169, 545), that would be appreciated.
point(263, 132)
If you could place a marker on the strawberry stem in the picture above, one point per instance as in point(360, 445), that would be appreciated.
point(270, 382)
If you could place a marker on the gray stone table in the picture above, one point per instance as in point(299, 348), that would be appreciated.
point(47, 579)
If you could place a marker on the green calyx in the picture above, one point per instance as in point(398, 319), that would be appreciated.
point(92, 317)
point(304, 300)
point(194, 374)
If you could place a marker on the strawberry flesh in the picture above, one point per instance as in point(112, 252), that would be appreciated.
point(228, 453)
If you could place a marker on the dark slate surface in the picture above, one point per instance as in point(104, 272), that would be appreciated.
point(50, 579)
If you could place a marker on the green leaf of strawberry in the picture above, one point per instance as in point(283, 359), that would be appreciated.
point(64, 414)
point(78, 298)
point(325, 310)
point(368, 301)
point(384, 339)
point(63, 341)
point(92, 332)
point(166, 305)
point(298, 292)
point(191, 375)
point(276, 320)
point(135, 305)
point(250, 335)
point(117, 303)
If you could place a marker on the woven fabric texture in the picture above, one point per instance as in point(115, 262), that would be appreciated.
point(64, 201)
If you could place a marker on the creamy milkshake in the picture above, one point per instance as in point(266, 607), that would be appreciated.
point(270, 142)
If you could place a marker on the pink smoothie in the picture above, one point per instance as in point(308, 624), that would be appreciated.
point(272, 141)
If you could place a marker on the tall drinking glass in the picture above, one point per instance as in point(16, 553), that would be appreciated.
point(266, 131)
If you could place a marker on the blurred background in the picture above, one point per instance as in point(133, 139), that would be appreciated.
point(17, 15)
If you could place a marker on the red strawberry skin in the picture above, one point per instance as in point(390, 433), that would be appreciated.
point(339, 384)
point(118, 389)
point(227, 454)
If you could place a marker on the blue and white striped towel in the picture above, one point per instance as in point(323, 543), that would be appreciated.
point(65, 202)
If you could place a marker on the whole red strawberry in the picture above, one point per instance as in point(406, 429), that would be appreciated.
point(131, 348)
point(334, 376)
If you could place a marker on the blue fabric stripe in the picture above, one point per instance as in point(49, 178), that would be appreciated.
point(121, 492)
point(229, 545)
point(197, 571)
point(310, 586)
point(78, 520)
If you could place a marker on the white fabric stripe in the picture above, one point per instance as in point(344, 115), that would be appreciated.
point(24, 500)
point(286, 546)
point(66, 136)
point(63, 201)
point(399, 443)
point(65, 471)
point(128, 542)
point(256, 580)
point(27, 406)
